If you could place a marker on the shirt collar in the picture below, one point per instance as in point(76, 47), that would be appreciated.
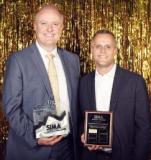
point(44, 52)
point(111, 73)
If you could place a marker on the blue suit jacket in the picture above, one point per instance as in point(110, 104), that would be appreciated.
point(26, 85)
point(131, 118)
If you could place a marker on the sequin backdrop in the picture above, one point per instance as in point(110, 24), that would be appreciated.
point(130, 20)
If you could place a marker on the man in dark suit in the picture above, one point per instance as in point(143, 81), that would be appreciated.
point(111, 88)
point(27, 85)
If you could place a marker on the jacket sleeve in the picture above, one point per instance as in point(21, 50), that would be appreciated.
point(142, 121)
point(18, 120)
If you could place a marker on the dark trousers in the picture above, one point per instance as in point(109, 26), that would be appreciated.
point(94, 155)
point(104, 156)
point(63, 150)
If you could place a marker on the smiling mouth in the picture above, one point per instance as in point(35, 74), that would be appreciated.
point(49, 35)
point(102, 56)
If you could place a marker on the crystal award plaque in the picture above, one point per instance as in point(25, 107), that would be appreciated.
point(47, 123)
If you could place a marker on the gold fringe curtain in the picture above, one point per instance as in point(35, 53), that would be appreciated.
point(129, 20)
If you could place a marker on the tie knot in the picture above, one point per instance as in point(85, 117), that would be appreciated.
point(50, 56)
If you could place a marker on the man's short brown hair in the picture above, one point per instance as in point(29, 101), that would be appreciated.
point(103, 31)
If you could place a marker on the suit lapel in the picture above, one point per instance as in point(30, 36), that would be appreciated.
point(117, 84)
point(66, 70)
point(41, 69)
point(91, 91)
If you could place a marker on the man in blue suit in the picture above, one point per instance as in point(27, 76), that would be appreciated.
point(111, 88)
point(27, 85)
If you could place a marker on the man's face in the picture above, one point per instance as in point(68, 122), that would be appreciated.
point(48, 27)
point(103, 49)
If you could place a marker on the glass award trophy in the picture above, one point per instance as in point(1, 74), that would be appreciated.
point(98, 128)
point(47, 123)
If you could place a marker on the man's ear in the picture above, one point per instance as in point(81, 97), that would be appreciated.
point(34, 26)
point(115, 53)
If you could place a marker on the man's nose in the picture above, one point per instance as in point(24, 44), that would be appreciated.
point(102, 49)
point(49, 28)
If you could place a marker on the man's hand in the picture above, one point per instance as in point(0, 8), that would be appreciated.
point(90, 147)
point(50, 140)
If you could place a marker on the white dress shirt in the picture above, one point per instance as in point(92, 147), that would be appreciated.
point(63, 92)
point(103, 89)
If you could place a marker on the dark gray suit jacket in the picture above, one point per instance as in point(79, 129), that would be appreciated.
point(26, 85)
point(131, 116)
